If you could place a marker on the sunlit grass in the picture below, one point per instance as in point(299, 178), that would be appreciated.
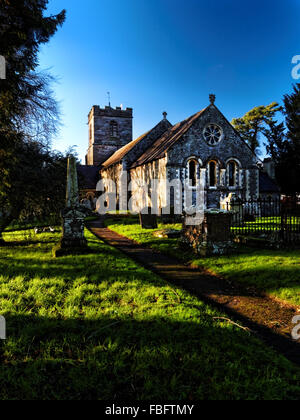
point(99, 326)
point(267, 224)
point(276, 273)
point(131, 228)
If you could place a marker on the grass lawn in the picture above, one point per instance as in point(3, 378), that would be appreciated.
point(276, 273)
point(99, 326)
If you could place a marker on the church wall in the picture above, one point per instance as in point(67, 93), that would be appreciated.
point(139, 177)
point(102, 143)
point(142, 176)
point(102, 131)
point(194, 145)
point(98, 154)
point(113, 173)
point(155, 169)
point(254, 183)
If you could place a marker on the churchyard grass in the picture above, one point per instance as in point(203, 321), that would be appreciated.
point(274, 272)
point(99, 326)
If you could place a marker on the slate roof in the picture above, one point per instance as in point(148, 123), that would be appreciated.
point(160, 146)
point(88, 177)
point(266, 184)
point(121, 153)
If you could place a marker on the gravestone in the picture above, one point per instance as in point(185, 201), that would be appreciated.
point(212, 236)
point(148, 220)
point(73, 240)
point(170, 217)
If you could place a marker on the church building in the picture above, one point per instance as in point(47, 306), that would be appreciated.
point(204, 146)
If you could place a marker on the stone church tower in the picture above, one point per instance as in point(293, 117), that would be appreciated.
point(109, 130)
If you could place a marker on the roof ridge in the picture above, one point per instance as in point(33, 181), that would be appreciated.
point(172, 135)
point(118, 154)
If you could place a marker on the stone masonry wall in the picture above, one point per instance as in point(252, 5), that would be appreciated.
point(101, 143)
point(114, 171)
point(143, 175)
point(231, 147)
point(193, 146)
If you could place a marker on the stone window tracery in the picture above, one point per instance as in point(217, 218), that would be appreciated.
point(213, 134)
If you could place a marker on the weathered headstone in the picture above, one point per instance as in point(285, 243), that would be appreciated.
point(73, 240)
point(168, 216)
point(148, 220)
point(212, 236)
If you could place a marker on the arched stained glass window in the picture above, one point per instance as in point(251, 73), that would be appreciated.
point(193, 165)
point(232, 174)
point(212, 168)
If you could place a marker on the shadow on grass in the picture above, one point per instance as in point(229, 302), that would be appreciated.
point(126, 356)
point(100, 263)
point(261, 269)
point(260, 279)
point(65, 269)
point(24, 243)
point(248, 267)
point(116, 358)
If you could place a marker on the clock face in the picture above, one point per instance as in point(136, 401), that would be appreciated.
point(213, 134)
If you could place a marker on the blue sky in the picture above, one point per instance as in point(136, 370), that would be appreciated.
point(157, 55)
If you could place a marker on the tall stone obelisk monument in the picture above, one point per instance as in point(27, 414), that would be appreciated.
point(73, 240)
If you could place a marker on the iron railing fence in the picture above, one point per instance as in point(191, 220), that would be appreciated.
point(266, 216)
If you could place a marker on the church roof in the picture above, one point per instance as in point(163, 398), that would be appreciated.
point(121, 153)
point(159, 148)
point(153, 145)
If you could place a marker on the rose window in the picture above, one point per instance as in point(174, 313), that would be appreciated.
point(213, 134)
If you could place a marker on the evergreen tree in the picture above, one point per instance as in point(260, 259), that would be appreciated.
point(284, 144)
point(253, 123)
point(26, 106)
point(278, 148)
point(33, 183)
point(23, 29)
point(292, 114)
